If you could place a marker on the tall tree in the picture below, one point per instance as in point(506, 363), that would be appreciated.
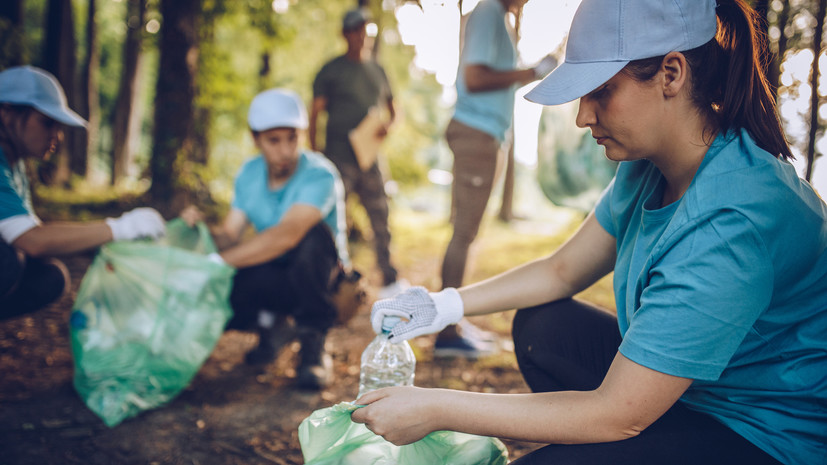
point(59, 58)
point(126, 119)
point(815, 100)
point(11, 33)
point(88, 100)
point(774, 71)
point(173, 143)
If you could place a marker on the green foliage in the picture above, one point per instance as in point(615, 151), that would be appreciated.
point(34, 33)
point(11, 44)
point(87, 202)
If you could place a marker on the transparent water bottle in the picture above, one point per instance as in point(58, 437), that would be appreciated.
point(386, 363)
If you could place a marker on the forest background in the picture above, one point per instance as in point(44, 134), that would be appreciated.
point(165, 85)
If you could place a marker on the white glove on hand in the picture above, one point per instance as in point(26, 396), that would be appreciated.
point(426, 312)
point(137, 223)
point(215, 257)
point(545, 66)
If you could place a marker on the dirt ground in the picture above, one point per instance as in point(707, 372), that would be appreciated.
point(230, 413)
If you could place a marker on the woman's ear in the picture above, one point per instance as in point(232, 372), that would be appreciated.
point(675, 73)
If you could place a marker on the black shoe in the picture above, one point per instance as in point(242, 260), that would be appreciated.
point(270, 342)
point(315, 369)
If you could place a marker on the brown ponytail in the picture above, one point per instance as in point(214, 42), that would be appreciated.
point(728, 80)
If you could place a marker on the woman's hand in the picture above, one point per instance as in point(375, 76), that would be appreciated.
point(192, 215)
point(401, 415)
point(426, 312)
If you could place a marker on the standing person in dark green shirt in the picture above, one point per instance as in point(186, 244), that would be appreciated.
point(347, 87)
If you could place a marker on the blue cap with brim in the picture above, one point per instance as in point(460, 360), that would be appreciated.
point(39, 89)
point(277, 108)
point(606, 35)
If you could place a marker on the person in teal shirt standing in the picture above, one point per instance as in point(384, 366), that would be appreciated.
point(487, 80)
point(717, 353)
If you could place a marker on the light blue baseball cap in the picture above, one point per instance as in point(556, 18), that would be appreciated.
point(606, 35)
point(277, 108)
point(37, 88)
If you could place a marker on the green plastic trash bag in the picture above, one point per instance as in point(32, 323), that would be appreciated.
point(329, 437)
point(147, 316)
point(572, 168)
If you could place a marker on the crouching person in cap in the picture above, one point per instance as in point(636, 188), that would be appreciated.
point(33, 113)
point(287, 271)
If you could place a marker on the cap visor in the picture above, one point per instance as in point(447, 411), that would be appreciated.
point(63, 115)
point(570, 81)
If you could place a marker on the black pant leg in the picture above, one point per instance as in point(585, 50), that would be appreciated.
point(28, 284)
point(314, 264)
point(564, 345)
point(296, 283)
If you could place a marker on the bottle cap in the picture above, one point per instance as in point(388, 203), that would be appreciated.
point(389, 322)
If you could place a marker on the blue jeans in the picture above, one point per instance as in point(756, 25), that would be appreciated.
point(569, 345)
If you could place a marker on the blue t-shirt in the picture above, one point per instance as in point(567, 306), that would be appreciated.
point(316, 182)
point(728, 286)
point(487, 42)
point(16, 213)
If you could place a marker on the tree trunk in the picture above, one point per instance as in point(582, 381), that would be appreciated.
point(89, 102)
point(203, 113)
point(815, 74)
point(507, 206)
point(11, 33)
point(125, 115)
point(769, 60)
point(59, 59)
point(174, 100)
point(774, 71)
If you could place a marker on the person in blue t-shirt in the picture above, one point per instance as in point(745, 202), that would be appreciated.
point(487, 79)
point(33, 113)
point(287, 272)
point(718, 351)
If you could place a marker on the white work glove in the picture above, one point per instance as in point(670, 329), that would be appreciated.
point(137, 223)
point(215, 257)
point(426, 312)
point(545, 66)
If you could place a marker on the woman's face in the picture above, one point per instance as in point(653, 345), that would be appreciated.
point(39, 134)
point(625, 117)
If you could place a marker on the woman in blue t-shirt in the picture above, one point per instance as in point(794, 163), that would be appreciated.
point(33, 112)
point(718, 351)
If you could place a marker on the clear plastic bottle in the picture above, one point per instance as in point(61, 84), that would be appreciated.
point(386, 363)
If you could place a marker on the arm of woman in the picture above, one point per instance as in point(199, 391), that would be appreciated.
point(273, 241)
point(630, 399)
point(586, 257)
point(56, 238)
point(583, 259)
point(60, 238)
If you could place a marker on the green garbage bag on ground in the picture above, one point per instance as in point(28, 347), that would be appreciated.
point(572, 168)
point(329, 437)
point(147, 316)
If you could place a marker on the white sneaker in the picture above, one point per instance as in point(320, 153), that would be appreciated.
point(475, 332)
point(386, 292)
